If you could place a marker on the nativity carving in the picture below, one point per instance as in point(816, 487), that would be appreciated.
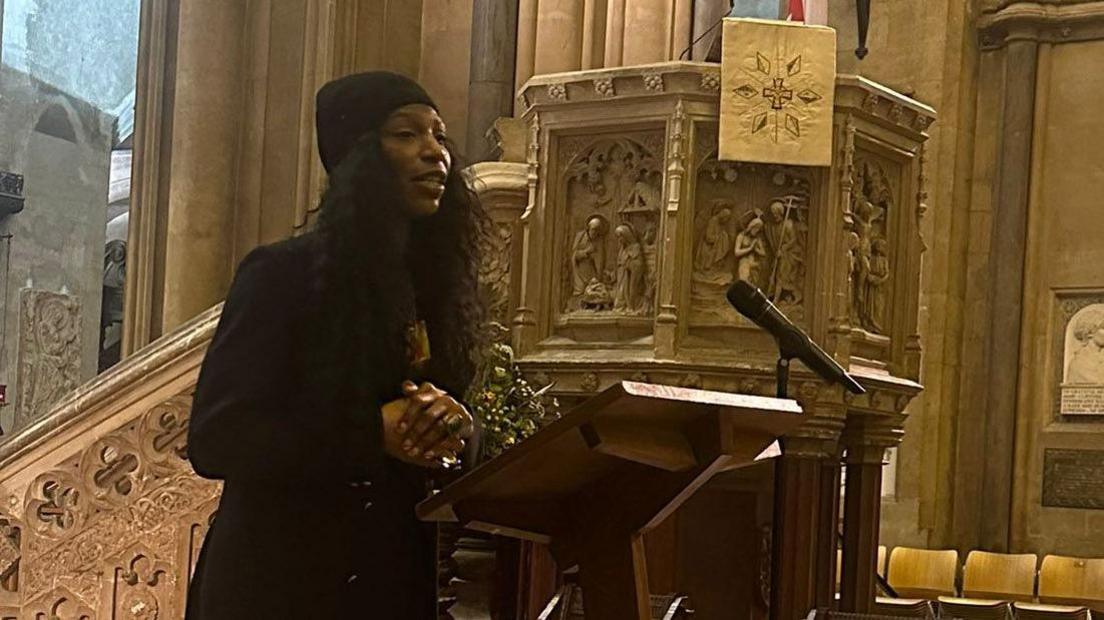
point(613, 198)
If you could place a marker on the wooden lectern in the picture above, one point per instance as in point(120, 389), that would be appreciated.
point(592, 483)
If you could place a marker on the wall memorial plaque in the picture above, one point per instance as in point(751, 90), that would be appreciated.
point(1079, 348)
point(1073, 478)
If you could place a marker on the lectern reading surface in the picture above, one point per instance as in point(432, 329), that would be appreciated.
point(593, 482)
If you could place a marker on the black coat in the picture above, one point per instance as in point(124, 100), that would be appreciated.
point(313, 522)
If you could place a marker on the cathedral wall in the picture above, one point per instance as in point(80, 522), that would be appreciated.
point(1058, 504)
point(925, 50)
point(446, 62)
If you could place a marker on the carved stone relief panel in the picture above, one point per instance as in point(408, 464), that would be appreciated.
point(495, 241)
point(142, 586)
point(59, 603)
point(114, 530)
point(611, 195)
point(1078, 354)
point(751, 222)
point(49, 351)
point(11, 535)
point(874, 197)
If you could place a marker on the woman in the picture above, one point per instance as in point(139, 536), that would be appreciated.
point(628, 295)
point(319, 402)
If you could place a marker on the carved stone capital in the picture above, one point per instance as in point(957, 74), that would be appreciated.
point(1048, 21)
point(871, 100)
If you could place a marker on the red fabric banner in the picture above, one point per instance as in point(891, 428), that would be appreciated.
point(797, 10)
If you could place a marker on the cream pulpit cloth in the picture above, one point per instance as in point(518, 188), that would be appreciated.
point(777, 89)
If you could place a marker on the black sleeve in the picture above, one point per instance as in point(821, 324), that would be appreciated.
point(245, 422)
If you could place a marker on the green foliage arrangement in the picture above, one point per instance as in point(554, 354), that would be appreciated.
point(509, 408)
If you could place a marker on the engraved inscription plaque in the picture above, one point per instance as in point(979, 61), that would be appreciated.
point(1073, 478)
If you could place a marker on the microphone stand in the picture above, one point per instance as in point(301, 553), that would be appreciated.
point(782, 375)
point(782, 368)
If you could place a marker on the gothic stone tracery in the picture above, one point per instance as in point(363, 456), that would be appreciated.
point(111, 532)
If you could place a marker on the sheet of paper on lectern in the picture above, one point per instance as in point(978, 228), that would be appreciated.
point(777, 90)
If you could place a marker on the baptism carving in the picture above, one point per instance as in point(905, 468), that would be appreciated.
point(613, 197)
point(1082, 387)
point(872, 200)
point(751, 223)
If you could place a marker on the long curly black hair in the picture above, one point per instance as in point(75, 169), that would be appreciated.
point(379, 267)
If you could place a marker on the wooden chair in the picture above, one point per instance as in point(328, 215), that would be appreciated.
point(1000, 576)
point(923, 573)
point(1036, 611)
point(904, 607)
point(1067, 580)
point(880, 567)
point(974, 609)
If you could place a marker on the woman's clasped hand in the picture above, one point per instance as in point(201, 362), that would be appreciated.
point(426, 427)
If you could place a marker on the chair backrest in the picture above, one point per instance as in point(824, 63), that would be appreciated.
point(1009, 576)
point(1071, 581)
point(923, 573)
point(880, 567)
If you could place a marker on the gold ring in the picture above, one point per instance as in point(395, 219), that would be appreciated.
point(454, 423)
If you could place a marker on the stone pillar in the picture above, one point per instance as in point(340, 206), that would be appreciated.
point(206, 125)
point(861, 516)
point(707, 13)
point(798, 522)
point(594, 34)
point(1006, 288)
point(559, 37)
point(491, 86)
point(646, 31)
point(828, 532)
point(526, 42)
point(615, 33)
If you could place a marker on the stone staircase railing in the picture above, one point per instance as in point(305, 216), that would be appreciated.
point(101, 516)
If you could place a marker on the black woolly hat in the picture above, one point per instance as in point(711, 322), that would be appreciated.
point(349, 107)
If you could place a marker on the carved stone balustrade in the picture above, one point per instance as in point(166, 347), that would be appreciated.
point(632, 231)
point(101, 516)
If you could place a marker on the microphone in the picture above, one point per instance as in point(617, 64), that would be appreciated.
point(792, 342)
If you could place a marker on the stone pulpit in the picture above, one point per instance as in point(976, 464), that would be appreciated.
point(623, 231)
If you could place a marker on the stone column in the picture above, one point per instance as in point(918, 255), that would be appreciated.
point(1006, 287)
point(526, 42)
point(491, 82)
point(828, 532)
point(206, 121)
point(646, 31)
point(559, 38)
point(861, 516)
point(615, 33)
point(706, 15)
point(803, 514)
point(594, 34)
